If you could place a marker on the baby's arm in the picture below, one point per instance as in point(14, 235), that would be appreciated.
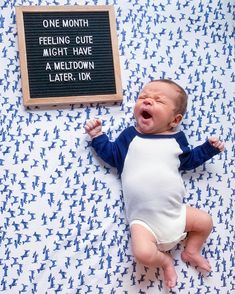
point(114, 153)
point(192, 158)
point(215, 142)
point(94, 128)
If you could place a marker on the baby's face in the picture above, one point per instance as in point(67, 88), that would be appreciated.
point(155, 109)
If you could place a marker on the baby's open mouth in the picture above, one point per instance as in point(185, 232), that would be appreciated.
point(146, 114)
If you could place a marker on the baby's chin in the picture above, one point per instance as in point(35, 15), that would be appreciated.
point(145, 130)
point(145, 125)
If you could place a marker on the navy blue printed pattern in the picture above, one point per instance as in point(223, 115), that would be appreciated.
point(62, 220)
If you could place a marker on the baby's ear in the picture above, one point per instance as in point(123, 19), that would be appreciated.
point(177, 120)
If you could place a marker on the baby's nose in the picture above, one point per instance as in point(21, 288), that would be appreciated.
point(148, 101)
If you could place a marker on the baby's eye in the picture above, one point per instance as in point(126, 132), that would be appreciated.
point(158, 100)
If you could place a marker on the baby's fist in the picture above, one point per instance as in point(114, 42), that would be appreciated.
point(93, 128)
point(215, 142)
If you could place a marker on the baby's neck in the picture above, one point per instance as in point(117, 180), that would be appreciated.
point(167, 132)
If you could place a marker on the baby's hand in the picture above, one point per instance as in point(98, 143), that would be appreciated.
point(215, 142)
point(94, 128)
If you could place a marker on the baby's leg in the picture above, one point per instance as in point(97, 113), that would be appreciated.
point(198, 225)
point(145, 251)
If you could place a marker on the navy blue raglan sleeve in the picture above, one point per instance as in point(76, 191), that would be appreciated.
point(114, 153)
point(192, 158)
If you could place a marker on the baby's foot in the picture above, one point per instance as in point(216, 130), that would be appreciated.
point(169, 272)
point(196, 260)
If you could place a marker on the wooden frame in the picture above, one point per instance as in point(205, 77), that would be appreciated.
point(74, 98)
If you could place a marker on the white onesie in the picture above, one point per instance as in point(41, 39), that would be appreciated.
point(153, 189)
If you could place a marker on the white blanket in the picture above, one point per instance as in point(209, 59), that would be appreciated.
point(62, 220)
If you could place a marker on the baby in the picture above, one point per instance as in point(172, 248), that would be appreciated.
point(149, 158)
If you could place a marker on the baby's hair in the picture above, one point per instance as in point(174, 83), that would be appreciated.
point(182, 97)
